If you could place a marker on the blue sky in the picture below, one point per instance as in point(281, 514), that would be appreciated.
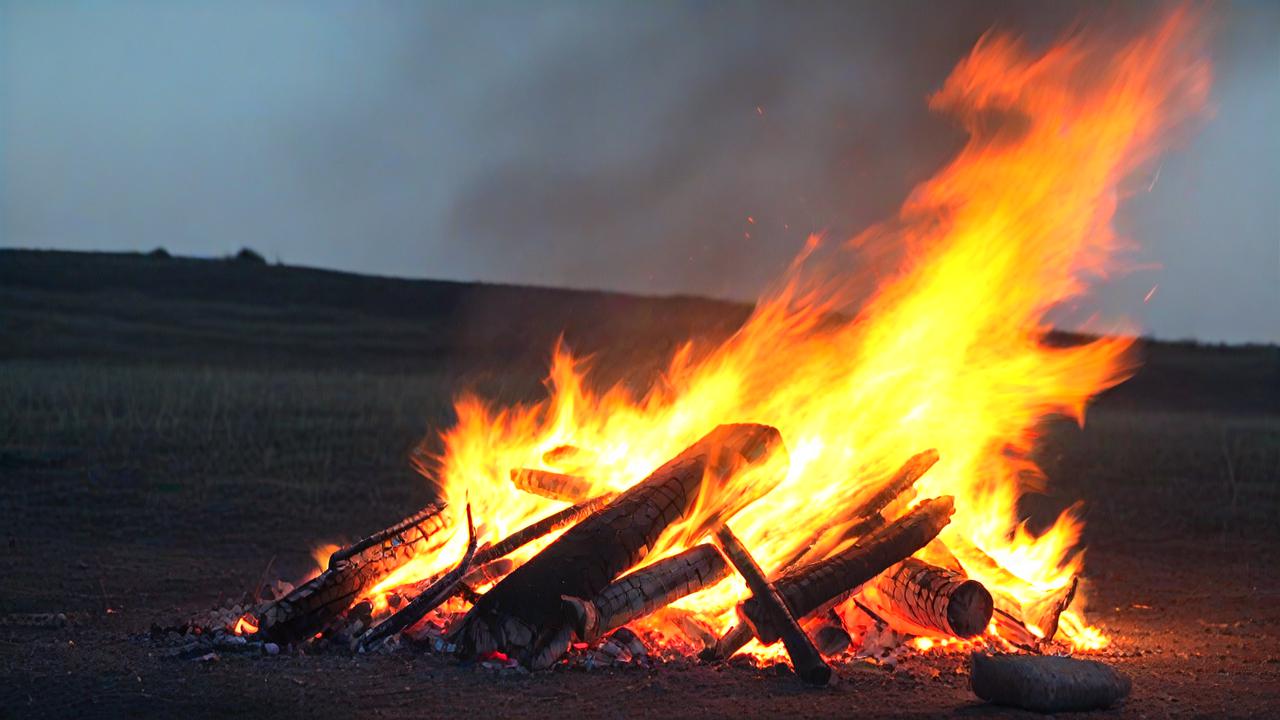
point(603, 145)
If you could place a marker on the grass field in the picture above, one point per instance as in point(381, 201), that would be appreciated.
point(168, 427)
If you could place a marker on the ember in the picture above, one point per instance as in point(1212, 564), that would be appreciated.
point(804, 431)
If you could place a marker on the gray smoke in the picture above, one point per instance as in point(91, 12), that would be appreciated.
point(606, 145)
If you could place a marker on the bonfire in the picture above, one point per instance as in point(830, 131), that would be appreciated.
point(842, 475)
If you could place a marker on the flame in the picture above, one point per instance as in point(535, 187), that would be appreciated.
point(246, 625)
point(948, 352)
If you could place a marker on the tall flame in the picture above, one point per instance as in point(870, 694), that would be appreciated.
point(947, 353)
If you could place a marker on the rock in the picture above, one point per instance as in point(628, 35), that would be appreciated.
point(271, 649)
point(1046, 683)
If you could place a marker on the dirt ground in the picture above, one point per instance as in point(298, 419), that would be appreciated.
point(150, 524)
point(135, 492)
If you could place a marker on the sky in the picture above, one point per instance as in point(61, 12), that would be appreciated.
point(607, 145)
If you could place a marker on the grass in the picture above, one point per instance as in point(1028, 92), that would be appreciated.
point(243, 437)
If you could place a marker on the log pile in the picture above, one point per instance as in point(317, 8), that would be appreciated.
point(522, 616)
point(616, 563)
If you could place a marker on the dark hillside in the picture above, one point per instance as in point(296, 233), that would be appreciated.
point(135, 308)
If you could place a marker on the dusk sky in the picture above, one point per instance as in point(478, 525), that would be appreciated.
point(605, 145)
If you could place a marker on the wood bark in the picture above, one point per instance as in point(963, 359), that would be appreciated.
point(554, 485)
point(522, 614)
point(490, 556)
point(805, 658)
point(935, 599)
point(811, 587)
point(352, 570)
point(650, 588)
point(1047, 684)
point(430, 599)
point(1013, 618)
point(540, 528)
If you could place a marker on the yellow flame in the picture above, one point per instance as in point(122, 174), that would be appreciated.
point(948, 352)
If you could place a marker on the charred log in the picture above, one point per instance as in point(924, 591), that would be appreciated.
point(934, 599)
point(805, 658)
point(1047, 684)
point(522, 614)
point(728, 644)
point(811, 587)
point(867, 516)
point(873, 502)
point(540, 528)
point(439, 591)
point(352, 570)
point(553, 485)
point(648, 589)
point(485, 564)
point(830, 636)
point(1026, 626)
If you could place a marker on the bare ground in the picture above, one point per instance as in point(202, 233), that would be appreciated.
point(140, 488)
point(129, 515)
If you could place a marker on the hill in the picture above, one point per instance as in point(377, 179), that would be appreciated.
point(127, 308)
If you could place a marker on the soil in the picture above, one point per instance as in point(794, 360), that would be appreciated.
point(141, 491)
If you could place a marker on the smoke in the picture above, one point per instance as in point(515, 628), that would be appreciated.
point(645, 147)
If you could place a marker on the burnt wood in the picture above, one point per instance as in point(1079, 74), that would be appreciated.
point(935, 599)
point(805, 658)
point(829, 634)
point(643, 591)
point(811, 587)
point(872, 503)
point(869, 505)
point(522, 615)
point(490, 557)
point(553, 485)
point(352, 570)
point(540, 528)
point(439, 591)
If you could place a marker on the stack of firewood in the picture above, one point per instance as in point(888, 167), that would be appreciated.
point(586, 584)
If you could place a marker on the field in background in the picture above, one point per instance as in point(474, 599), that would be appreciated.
point(168, 426)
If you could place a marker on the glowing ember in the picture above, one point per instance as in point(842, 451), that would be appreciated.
point(246, 625)
point(947, 353)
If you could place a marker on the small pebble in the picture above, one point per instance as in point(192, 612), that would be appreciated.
point(271, 649)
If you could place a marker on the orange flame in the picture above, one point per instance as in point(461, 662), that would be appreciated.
point(246, 625)
point(948, 352)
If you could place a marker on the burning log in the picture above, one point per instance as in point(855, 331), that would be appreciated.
point(869, 506)
point(488, 557)
point(935, 599)
point(522, 615)
point(875, 501)
point(553, 485)
point(1025, 626)
point(641, 592)
point(1046, 683)
point(540, 528)
point(805, 658)
point(352, 570)
point(811, 587)
point(439, 591)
